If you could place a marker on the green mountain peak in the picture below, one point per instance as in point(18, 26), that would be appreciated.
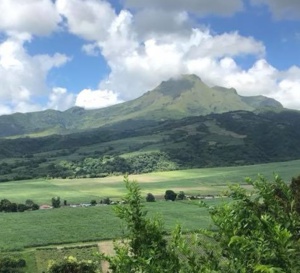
point(175, 98)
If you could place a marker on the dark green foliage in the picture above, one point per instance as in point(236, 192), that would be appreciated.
point(71, 265)
point(22, 207)
point(11, 265)
point(259, 232)
point(234, 138)
point(255, 232)
point(7, 206)
point(295, 188)
point(170, 195)
point(150, 197)
point(35, 206)
point(55, 201)
point(93, 202)
point(105, 201)
point(181, 195)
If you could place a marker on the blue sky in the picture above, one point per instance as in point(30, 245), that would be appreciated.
point(95, 53)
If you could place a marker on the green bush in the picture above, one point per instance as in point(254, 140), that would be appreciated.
point(150, 197)
point(170, 195)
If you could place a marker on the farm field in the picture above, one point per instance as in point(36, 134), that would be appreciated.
point(24, 234)
point(76, 225)
point(192, 181)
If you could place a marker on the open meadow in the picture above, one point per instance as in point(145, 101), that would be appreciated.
point(25, 233)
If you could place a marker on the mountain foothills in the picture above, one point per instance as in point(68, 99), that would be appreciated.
point(172, 99)
point(182, 123)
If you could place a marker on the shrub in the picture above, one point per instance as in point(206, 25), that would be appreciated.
point(181, 195)
point(105, 201)
point(55, 202)
point(170, 195)
point(150, 197)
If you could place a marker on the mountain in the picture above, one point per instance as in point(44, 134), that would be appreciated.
point(173, 99)
point(227, 139)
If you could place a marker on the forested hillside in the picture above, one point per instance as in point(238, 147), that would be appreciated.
point(233, 138)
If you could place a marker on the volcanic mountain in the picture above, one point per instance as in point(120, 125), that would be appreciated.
point(176, 98)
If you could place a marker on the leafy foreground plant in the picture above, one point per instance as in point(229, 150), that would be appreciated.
point(256, 232)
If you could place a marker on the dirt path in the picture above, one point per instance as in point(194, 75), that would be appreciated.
point(106, 247)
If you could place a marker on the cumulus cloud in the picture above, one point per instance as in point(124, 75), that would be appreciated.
point(91, 49)
point(93, 99)
point(22, 76)
point(88, 19)
point(38, 17)
point(203, 7)
point(60, 99)
point(151, 42)
point(282, 9)
point(158, 21)
point(139, 63)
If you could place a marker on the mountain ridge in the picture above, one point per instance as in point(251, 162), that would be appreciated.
point(176, 98)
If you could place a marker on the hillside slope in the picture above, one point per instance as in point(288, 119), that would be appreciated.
point(173, 99)
point(232, 138)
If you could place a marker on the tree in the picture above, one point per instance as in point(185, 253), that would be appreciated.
point(150, 197)
point(170, 195)
point(145, 249)
point(93, 202)
point(29, 203)
point(55, 202)
point(181, 195)
point(35, 206)
point(253, 232)
point(22, 207)
point(5, 205)
point(258, 232)
point(105, 201)
point(295, 188)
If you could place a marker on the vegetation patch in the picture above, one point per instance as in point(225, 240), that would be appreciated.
point(45, 256)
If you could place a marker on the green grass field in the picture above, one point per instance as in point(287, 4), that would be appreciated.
point(76, 225)
point(24, 232)
point(193, 181)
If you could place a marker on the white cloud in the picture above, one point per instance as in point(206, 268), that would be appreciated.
point(5, 110)
point(158, 21)
point(155, 60)
point(282, 9)
point(138, 63)
point(89, 19)
point(92, 99)
point(38, 17)
point(60, 99)
point(289, 93)
point(141, 49)
point(91, 49)
point(203, 7)
point(22, 76)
